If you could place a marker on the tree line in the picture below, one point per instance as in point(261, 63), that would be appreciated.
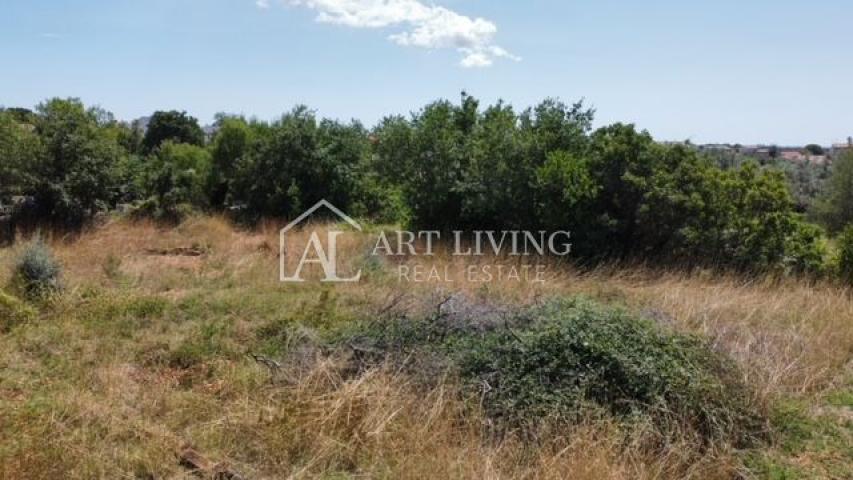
point(447, 166)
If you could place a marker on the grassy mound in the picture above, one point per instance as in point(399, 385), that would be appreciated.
point(572, 355)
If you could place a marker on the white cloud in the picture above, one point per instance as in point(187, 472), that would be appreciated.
point(476, 60)
point(425, 26)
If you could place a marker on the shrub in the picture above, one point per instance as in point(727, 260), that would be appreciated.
point(566, 359)
point(574, 355)
point(806, 250)
point(13, 312)
point(38, 272)
point(834, 207)
point(177, 178)
point(295, 162)
point(845, 255)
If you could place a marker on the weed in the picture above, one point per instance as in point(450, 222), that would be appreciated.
point(38, 272)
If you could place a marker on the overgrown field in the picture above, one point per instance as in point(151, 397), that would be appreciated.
point(171, 349)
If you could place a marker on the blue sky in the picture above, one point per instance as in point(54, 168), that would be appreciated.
point(734, 71)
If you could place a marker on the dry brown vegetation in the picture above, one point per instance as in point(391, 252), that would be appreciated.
point(145, 353)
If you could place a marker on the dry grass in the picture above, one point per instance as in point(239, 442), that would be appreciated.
point(88, 391)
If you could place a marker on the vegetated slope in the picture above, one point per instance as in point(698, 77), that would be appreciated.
point(616, 373)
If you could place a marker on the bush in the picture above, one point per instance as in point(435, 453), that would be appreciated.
point(566, 359)
point(834, 207)
point(806, 250)
point(176, 179)
point(845, 255)
point(13, 312)
point(574, 355)
point(297, 161)
point(38, 272)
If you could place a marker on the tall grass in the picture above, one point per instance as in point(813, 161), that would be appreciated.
point(92, 390)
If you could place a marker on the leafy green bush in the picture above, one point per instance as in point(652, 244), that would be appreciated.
point(566, 359)
point(834, 207)
point(845, 255)
point(806, 250)
point(13, 312)
point(176, 179)
point(574, 355)
point(295, 162)
point(38, 272)
point(75, 175)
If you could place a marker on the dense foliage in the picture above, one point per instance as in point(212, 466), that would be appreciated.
point(172, 126)
point(66, 160)
point(176, 177)
point(571, 355)
point(567, 358)
point(835, 206)
point(621, 193)
point(447, 166)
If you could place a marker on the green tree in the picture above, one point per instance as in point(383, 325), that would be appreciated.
point(566, 190)
point(176, 178)
point(507, 153)
point(174, 126)
point(460, 167)
point(496, 181)
point(20, 149)
point(437, 157)
point(296, 162)
point(75, 175)
point(834, 208)
point(755, 226)
point(234, 137)
point(621, 162)
point(814, 149)
point(130, 136)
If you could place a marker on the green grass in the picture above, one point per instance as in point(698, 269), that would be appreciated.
point(809, 441)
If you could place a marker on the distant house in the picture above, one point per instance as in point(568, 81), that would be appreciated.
point(802, 156)
point(762, 153)
point(795, 156)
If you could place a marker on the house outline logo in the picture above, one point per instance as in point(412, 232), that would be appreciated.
point(326, 259)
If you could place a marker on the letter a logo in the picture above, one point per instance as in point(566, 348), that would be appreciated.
point(314, 252)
